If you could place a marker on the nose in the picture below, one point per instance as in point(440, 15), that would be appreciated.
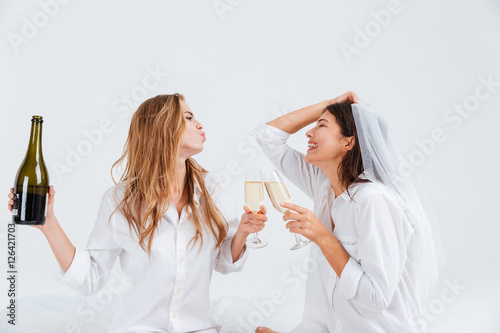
point(309, 134)
point(199, 126)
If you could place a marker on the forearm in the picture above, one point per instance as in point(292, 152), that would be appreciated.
point(294, 121)
point(60, 244)
point(334, 253)
point(238, 243)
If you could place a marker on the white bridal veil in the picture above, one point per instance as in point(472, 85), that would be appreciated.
point(382, 162)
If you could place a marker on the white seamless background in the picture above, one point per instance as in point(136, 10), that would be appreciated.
point(85, 66)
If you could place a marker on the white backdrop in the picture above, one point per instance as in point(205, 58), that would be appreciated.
point(431, 68)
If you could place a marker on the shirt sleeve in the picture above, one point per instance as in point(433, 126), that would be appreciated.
point(224, 261)
point(90, 268)
point(384, 232)
point(287, 160)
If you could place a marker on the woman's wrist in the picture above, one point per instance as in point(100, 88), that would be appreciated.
point(326, 241)
point(241, 233)
point(238, 244)
point(51, 228)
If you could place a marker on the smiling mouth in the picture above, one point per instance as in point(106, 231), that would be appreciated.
point(312, 146)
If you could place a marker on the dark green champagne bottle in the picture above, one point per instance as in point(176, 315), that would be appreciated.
point(32, 181)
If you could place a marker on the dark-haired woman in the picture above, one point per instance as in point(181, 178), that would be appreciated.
point(366, 234)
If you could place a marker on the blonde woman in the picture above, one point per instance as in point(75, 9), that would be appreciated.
point(168, 220)
point(372, 252)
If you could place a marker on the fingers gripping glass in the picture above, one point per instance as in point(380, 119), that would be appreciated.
point(278, 193)
point(254, 198)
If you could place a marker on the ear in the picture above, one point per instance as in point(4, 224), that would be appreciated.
point(349, 143)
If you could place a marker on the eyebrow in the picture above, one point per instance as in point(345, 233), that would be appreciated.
point(321, 121)
point(189, 113)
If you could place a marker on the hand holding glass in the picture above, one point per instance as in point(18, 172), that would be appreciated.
point(254, 198)
point(278, 193)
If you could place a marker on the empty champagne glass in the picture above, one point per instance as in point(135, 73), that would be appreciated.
point(278, 193)
point(254, 198)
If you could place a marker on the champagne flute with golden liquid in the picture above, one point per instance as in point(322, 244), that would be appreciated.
point(278, 193)
point(254, 198)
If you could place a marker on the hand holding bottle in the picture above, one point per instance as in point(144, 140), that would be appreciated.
point(34, 198)
point(59, 242)
point(50, 217)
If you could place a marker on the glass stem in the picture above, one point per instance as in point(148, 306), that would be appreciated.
point(297, 238)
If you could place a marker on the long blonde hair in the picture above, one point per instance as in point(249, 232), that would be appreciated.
point(151, 152)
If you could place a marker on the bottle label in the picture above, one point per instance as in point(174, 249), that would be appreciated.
point(15, 206)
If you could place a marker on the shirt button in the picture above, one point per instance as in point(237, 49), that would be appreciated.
point(181, 260)
point(178, 290)
point(174, 315)
point(180, 228)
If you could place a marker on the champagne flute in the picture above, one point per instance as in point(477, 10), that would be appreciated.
point(278, 193)
point(254, 198)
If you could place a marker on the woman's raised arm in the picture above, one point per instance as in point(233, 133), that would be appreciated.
point(294, 121)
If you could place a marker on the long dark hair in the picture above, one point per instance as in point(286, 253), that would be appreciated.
point(352, 164)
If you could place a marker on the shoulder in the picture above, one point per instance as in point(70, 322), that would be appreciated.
point(217, 184)
point(219, 188)
point(216, 181)
point(114, 195)
point(374, 192)
point(378, 205)
point(215, 178)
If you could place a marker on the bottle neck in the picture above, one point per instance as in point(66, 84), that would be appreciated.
point(35, 144)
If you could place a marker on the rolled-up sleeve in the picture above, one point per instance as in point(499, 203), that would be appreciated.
point(224, 262)
point(384, 232)
point(90, 268)
point(287, 160)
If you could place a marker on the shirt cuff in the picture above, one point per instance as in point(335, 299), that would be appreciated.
point(226, 264)
point(349, 278)
point(74, 276)
point(268, 132)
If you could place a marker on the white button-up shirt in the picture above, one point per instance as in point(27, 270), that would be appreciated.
point(170, 293)
point(376, 291)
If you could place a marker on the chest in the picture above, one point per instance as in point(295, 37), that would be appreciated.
point(179, 206)
point(172, 248)
point(340, 217)
point(345, 219)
